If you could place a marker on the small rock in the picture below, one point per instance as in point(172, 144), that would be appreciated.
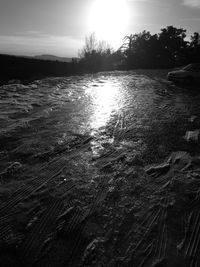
point(192, 136)
point(14, 166)
point(31, 222)
point(14, 81)
point(180, 160)
point(159, 169)
point(192, 118)
point(11, 170)
point(94, 253)
point(178, 156)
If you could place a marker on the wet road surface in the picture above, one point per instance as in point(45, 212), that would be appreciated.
point(73, 158)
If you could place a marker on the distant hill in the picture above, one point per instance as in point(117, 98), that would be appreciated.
point(28, 68)
point(53, 58)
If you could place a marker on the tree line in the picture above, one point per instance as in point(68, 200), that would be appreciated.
point(166, 49)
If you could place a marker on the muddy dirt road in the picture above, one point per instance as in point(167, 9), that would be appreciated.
point(95, 171)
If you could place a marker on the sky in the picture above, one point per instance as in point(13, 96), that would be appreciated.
point(59, 27)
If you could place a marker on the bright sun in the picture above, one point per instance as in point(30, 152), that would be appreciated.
point(108, 19)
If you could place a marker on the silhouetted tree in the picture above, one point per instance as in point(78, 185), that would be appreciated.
point(140, 49)
point(95, 55)
point(194, 49)
point(166, 49)
point(195, 40)
point(172, 45)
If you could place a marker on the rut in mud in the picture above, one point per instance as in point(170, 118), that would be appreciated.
point(98, 170)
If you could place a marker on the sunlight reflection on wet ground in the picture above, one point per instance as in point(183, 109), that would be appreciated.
point(106, 100)
point(110, 107)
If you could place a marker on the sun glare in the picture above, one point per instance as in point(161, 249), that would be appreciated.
point(108, 19)
point(105, 99)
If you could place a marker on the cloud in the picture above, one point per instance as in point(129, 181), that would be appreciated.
point(192, 3)
point(32, 32)
point(156, 3)
point(190, 19)
point(144, 1)
point(34, 42)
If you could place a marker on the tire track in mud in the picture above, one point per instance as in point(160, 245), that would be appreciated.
point(191, 241)
point(120, 127)
point(148, 227)
point(8, 210)
point(132, 255)
point(69, 154)
point(56, 167)
point(152, 248)
point(28, 190)
point(80, 219)
point(32, 187)
point(6, 224)
point(189, 248)
point(15, 199)
point(32, 246)
point(157, 247)
point(160, 249)
point(5, 231)
point(8, 219)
